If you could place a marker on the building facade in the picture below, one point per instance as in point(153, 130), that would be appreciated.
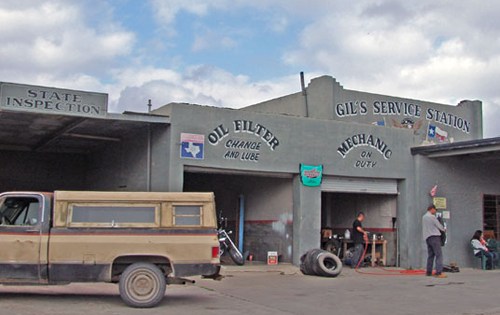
point(281, 170)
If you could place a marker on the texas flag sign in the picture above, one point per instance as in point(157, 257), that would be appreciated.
point(441, 134)
point(192, 146)
point(431, 133)
point(438, 133)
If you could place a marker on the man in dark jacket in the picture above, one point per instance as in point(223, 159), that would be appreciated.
point(359, 237)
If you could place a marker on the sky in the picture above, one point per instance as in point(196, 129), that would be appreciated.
point(234, 53)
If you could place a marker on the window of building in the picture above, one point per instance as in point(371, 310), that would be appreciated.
point(105, 215)
point(491, 216)
point(187, 215)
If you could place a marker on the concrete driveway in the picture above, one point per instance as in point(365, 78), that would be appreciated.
point(282, 289)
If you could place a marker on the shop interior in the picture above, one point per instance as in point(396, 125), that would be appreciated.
point(338, 212)
point(258, 209)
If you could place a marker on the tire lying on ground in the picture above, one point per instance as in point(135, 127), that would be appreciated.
point(307, 262)
point(317, 262)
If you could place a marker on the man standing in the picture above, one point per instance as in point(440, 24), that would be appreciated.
point(432, 235)
point(359, 237)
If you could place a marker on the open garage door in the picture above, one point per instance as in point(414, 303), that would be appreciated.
point(360, 185)
point(343, 197)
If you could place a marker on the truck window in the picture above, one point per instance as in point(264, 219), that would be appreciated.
point(187, 215)
point(18, 211)
point(113, 215)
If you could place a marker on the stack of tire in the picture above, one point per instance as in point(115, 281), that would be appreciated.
point(318, 262)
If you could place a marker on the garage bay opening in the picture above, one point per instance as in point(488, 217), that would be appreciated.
point(258, 209)
point(338, 212)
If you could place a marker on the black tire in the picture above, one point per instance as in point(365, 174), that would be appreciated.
point(142, 285)
point(312, 258)
point(328, 265)
point(236, 257)
point(308, 261)
point(304, 267)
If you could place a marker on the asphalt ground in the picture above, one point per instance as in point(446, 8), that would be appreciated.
point(281, 289)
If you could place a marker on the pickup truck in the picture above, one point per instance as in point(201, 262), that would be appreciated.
point(140, 240)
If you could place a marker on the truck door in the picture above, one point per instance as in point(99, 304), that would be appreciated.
point(20, 238)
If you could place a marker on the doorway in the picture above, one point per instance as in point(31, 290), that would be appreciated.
point(339, 210)
point(267, 209)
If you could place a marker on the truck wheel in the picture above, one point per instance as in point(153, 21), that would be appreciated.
point(142, 285)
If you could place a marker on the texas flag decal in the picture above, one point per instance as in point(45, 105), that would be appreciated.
point(438, 133)
point(192, 146)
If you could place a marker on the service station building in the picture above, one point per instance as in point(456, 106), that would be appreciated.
point(281, 170)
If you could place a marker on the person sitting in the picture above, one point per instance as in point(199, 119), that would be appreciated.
point(479, 246)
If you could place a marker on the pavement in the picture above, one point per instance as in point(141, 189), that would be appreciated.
point(281, 289)
point(370, 291)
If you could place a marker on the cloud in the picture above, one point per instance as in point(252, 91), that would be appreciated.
point(166, 12)
point(55, 37)
point(436, 51)
point(425, 50)
point(210, 39)
point(200, 84)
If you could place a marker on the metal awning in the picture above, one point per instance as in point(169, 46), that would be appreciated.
point(23, 131)
point(482, 148)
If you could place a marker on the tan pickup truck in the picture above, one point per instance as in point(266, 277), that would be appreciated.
point(141, 240)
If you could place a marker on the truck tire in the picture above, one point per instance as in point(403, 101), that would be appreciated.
point(304, 267)
point(312, 260)
point(308, 261)
point(142, 285)
point(328, 265)
point(237, 257)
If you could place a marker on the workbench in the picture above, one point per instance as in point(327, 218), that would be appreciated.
point(382, 244)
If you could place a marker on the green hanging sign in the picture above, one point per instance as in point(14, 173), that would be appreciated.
point(311, 175)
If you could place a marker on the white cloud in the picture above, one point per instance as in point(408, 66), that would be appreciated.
point(437, 51)
point(204, 85)
point(427, 50)
point(212, 40)
point(167, 11)
point(53, 37)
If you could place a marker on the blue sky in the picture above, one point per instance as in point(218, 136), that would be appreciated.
point(236, 53)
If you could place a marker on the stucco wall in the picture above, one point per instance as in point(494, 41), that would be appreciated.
point(463, 181)
point(327, 99)
point(301, 140)
point(293, 105)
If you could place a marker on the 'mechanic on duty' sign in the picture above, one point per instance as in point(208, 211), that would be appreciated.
point(30, 98)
